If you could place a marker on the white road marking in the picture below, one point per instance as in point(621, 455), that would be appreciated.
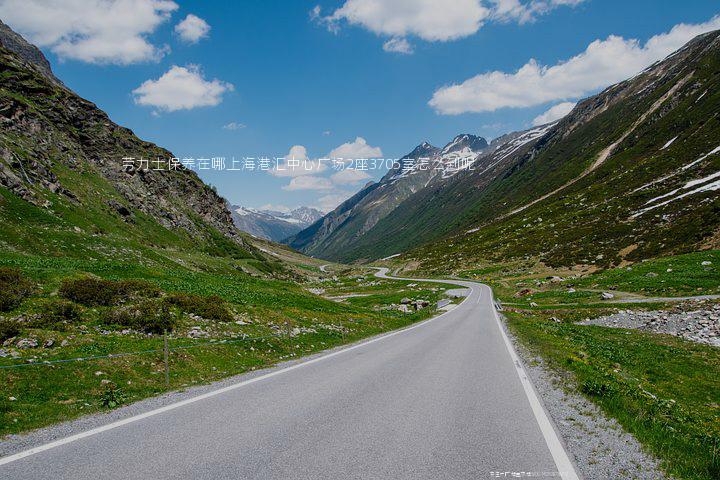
point(182, 403)
point(557, 450)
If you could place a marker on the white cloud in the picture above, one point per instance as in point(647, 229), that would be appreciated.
point(556, 112)
point(602, 63)
point(349, 176)
point(94, 31)
point(233, 126)
point(297, 164)
point(431, 20)
point(524, 12)
point(192, 29)
point(181, 88)
point(428, 19)
point(308, 182)
point(357, 149)
point(327, 203)
point(398, 45)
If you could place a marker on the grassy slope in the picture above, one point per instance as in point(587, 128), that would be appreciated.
point(49, 393)
point(663, 390)
point(590, 218)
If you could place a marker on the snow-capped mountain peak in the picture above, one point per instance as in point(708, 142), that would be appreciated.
point(465, 140)
point(272, 224)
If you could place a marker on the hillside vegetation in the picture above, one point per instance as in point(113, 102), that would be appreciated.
point(629, 174)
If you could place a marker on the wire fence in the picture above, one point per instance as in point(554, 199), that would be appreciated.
point(33, 362)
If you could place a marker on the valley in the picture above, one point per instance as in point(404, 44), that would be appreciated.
point(397, 335)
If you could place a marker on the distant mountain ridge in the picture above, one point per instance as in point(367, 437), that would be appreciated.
point(274, 225)
point(630, 173)
point(423, 166)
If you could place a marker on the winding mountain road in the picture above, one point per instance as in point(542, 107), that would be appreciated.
point(443, 399)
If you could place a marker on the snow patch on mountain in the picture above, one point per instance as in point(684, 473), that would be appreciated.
point(272, 224)
point(508, 148)
point(673, 195)
point(670, 142)
point(457, 155)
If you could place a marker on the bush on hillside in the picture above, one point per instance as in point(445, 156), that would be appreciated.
point(57, 314)
point(211, 308)
point(8, 329)
point(151, 316)
point(14, 288)
point(100, 292)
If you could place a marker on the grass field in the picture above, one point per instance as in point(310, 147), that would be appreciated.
point(663, 390)
point(284, 318)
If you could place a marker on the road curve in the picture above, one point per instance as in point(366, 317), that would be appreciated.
point(442, 399)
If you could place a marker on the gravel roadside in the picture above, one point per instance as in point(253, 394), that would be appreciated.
point(695, 321)
point(598, 445)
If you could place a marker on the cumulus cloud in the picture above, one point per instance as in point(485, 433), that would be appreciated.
point(307, 174)
point(428, 19)
point(602, 63)
point(181, 88)
point(556, 112)
point(93, 31)
point(398, 45)
point(524, 12)
point(309, 182)
point(349, 176)
point(357, 149)
point(431, 20)
point(297, 164)
point(192, 29)
point(233, 126)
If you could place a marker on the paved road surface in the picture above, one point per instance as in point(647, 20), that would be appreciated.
point(440, 400)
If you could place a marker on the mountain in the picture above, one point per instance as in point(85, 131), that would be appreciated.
point(72, 182)
point(274, 225)
point(26, 52)
point(630, 173)
point(425, 165)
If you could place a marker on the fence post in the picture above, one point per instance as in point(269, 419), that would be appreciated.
point(287, 328)
point(166, 354)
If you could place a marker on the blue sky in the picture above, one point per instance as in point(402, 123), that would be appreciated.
point(289, 76)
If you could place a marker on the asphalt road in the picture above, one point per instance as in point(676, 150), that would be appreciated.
point(443, 399)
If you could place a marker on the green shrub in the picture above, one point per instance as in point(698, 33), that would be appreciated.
point(90, 291)
point(597, 389)
point(151, 316)
point(14, 288)
point(99, 292)
point(137, 288)
point(211, 308)
point(8, 329)
point(113, 396)
point(57, 314)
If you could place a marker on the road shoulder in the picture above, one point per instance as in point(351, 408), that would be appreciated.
point(600, 448)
